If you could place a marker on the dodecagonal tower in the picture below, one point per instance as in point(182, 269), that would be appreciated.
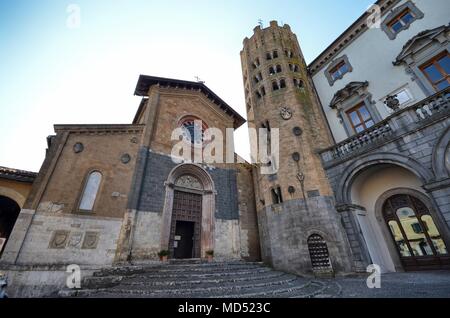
point(300, 230)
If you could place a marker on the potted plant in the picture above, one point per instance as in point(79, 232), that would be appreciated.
point(210, 255)
point(163, 254)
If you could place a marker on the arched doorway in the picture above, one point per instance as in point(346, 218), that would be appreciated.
point(418, 240)
point(9, 211)
point(188, 216)
point(319, 255)
point(185, 228)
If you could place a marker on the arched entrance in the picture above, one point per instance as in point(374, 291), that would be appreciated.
point(188, 215)
point(418, 241)
point(367, 184)
point(9, 211)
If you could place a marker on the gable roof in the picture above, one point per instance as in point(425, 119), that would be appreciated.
point(145, 82)
point(350, 89)
point(17, 175)
point(419, 41)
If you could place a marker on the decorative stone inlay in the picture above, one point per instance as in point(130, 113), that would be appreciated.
point(188, 181)
point(126, 158)
point(90, 240)
point(297, 131)
point(134, 140)
point(291, 189)
point(59, 239)
point(285, 113)
point(75, 239)
point(296, 156)
point(78, 147)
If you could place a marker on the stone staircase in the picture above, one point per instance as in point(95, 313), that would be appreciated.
point(197, 279)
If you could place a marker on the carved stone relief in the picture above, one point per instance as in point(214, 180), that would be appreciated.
point(90, 240)
point(59, 239)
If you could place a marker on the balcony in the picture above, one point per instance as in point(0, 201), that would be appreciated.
point(401, 122)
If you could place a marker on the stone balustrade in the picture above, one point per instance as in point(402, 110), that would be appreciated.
point(399, 122)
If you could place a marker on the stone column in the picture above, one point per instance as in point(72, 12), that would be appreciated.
point(439, 191)
point(360, 252)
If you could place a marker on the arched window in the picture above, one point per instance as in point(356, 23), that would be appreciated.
point(271, 70)
point(279, 69)
point(299, 83)
point(90, 191)
point(193, 129)
point(275, 54)
point(282, 83)
point(275, 86)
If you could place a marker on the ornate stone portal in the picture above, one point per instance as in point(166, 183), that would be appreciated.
point(190, 198)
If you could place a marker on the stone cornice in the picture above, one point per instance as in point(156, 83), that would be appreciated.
point(100, 129)
point(347, 37)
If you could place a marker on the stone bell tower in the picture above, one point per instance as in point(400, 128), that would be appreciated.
point(300, 230)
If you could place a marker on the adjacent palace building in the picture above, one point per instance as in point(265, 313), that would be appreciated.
point(362, 177)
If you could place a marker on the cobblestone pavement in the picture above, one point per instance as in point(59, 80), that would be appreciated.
point(249, 280)
point(398, 285)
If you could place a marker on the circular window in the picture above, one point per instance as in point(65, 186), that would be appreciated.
point(194, 130)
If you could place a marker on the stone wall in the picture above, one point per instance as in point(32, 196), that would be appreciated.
point(70, 239)
point(285, 228)
point(157, 172)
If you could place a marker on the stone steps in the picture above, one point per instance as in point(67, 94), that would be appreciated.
point(203, 279)
point(177, 268)
point(197, 279)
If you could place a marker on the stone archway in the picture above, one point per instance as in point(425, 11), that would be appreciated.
point(191, 179)
point(9, 212)
point(379, 215)
point(351, 172)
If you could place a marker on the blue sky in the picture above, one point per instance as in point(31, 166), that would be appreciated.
point(53, 74)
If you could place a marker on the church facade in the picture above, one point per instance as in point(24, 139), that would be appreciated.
point(359, 170)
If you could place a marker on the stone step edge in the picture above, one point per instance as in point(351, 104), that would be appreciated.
point(207, 289)
point(184, 272)
point(91, 292)
point(277, 292)
point(206, 281)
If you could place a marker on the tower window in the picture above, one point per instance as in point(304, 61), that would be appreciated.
point(271, 71)
point(288, 53)
point(263, 91)
point(275, 54)
point(282, 83)
point(276, 196)
point(279, 70)
point(275, 86)
point(299, 83)
point(268, 56)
